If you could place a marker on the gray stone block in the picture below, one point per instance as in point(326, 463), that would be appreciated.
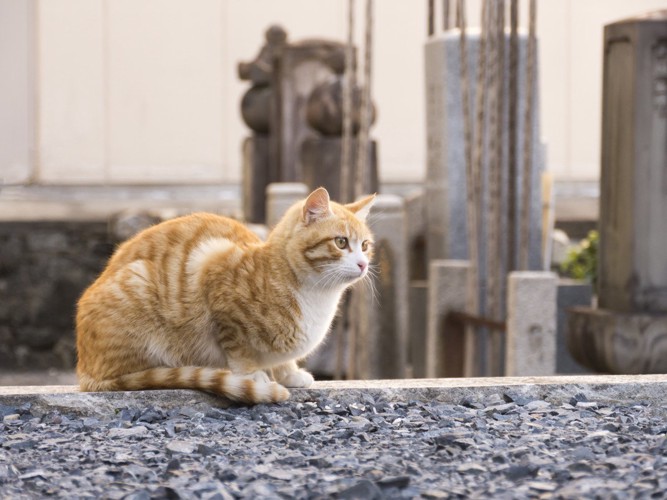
point(445, 196)
point(280, 196)
point(448, 281)
point(531, 324)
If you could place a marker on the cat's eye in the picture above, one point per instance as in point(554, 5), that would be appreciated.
point(365, 245)
point(341, 242)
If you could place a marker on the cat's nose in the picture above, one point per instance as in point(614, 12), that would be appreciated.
point(362, 266)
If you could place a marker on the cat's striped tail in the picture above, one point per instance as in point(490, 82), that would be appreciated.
point(236, 387)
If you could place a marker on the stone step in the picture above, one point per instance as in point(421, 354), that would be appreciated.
point(650, 389)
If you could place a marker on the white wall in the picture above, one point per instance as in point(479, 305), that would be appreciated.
point(146, 91)
point(16, 91)
point(571, 78)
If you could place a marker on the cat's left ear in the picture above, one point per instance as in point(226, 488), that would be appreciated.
point(316, 206)
point(361, 207)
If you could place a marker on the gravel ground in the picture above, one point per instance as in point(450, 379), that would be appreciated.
point(504, 447)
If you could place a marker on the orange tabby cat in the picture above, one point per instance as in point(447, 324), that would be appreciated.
point(200, 302)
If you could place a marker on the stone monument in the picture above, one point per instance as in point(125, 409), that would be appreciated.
point(293, 108)
point(628, 332)
point(445, 191)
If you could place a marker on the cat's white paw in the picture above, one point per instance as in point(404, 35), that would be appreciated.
point(298, 378)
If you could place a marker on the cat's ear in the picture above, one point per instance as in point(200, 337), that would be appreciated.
point(361, 207)
point(316, 206)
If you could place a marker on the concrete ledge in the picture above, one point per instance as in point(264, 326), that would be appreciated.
point(609, 389)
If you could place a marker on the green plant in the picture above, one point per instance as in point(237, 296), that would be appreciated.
point(582, 262)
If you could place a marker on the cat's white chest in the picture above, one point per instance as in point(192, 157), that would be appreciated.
point(317, 312)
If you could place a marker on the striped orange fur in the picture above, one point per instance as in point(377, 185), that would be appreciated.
point(200, 302)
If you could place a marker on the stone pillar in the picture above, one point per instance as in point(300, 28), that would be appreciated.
point(448, 281)
point(633, 194)
point(628, 334)
point(531, 324)
point(446, 174)
point(280, 196)
point(380, 347)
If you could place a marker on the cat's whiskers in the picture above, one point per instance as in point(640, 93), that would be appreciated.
point(369, 282)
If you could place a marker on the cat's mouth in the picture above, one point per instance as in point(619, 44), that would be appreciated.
point(357, 275)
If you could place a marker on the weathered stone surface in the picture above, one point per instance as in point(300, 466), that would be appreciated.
point(362, 444)
point(280, 196)
point(611, 342)
point(531, 324)
point(448, 282)
point(522, 390)
point(44, 268)
point(633, 180)
point(445, 186)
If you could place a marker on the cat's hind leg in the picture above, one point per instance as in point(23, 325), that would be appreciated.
point(290, 375)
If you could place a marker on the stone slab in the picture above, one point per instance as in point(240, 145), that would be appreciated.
point(558, 389)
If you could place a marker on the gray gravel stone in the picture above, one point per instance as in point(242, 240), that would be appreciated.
point(502, 447)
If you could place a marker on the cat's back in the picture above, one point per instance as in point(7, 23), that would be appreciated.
point(176, 238)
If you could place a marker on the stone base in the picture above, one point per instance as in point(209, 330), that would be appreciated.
point(618, 343)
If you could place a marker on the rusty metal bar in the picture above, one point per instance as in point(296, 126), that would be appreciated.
point(478, 321)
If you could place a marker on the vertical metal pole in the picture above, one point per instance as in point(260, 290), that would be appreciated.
point(512, 136)
point(527, 190)
point(348, 89)
point(431, 17)
point(493, 219)
point(362, 172)
point(345, 197)
point(474, 196)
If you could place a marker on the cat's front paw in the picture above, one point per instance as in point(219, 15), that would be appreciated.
point(297, 379)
